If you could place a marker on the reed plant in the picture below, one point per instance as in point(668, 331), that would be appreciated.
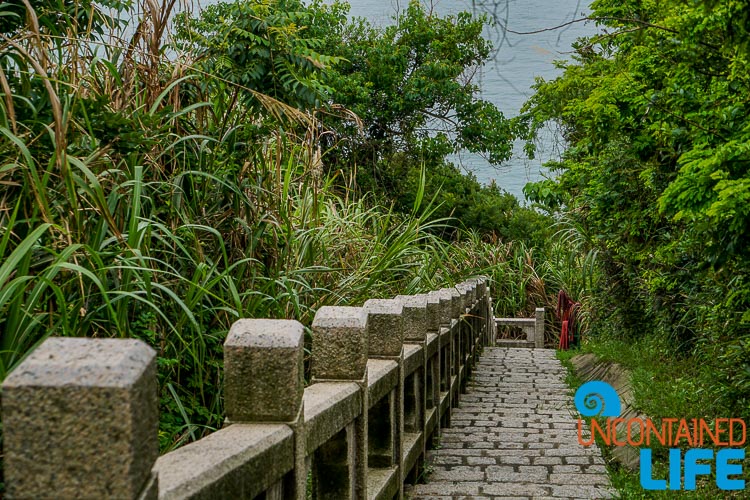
point(140, 197)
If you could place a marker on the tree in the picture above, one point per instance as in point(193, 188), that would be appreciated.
point(412, 85)
point(263, 46)
point(408, 90)
point(655, 112)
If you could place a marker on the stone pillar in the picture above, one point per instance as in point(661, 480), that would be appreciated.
point(458, 347)
point(467, 288)
point(476, 320)
point(539, 328)
point(440, 303)
point(80, 420)
point(443, 356)
point(385, 327)
point(340, 350)
point(264, 382)
point(467, 333)
point(445, 309)
point(416, 386)
point(385, 331)
point(486, 307)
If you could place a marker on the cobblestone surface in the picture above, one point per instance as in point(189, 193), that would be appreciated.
point(514, 435)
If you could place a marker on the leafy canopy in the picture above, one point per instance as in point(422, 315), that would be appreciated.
point(655, 110)
point(412, 83)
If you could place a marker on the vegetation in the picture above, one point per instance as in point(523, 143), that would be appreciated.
point(655, 179)
point(403, 97)
point(654, 185)
point(264, 158)
point(161, 187)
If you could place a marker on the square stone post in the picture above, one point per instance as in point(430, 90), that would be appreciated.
point(476, 320)
point(486, 308)
point(264, 383)
point(539, 328)
point(385, 333)
point(467, 333)
point(467, 288)
point(339, 353)
point(416, 319)
point(445, 315)
point(443, 372)
point(80, 420)
point(458, 340)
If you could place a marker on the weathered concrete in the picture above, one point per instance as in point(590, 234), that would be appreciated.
point(329, 406)
point(358, 431)
point(80, 419)
point(433, 312)
point(514, 435)
point(263, 362)
point(240, 461)
point(415, 316)
point(385, 327)
point(539, 333)
point(382, 378)
point(456, 310)
point(340, 343)
point(444, 298)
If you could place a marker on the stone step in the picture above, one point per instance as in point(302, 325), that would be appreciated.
point(514, 434)
point(515, 343)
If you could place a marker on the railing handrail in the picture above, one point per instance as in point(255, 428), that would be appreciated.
point(385, 378)
point(532, 327)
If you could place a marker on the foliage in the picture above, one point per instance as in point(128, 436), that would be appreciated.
point(412, 86)
point(413, 77)
point(52, 15)
point(485, 209)
point(408, 90)
point(260, 45)
point(664, 384)
point(145, 197)
point(654, 110)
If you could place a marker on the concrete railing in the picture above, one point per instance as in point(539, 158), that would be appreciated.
point(80, 416)
point(532, 327)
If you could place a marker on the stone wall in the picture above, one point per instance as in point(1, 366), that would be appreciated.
point(80, 416)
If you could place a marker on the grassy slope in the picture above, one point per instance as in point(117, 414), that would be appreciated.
point(664, 386)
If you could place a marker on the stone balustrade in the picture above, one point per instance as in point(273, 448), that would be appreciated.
point(532, 327)
point(80, 416)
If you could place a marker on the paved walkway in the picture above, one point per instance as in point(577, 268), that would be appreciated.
point(514, 435)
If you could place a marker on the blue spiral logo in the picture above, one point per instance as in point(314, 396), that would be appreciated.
point(597, 398)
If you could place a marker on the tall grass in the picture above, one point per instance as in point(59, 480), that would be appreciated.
point(135, 201)
point(128, 210)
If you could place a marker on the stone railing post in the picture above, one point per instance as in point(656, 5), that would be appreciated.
point(443, 371)
point(415, 332)
point(475, 316)
point(468, 326)
point(80, 420)
point(539, 328)
point(385, 332)
point(417, 382)
point(458, 340)
point(340, 349)
point(264, 383)
point(483, 293)
point(448, 369)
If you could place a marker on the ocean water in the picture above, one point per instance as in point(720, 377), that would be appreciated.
point(523, 52)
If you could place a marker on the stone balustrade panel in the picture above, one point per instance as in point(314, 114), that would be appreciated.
point(384, 379)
